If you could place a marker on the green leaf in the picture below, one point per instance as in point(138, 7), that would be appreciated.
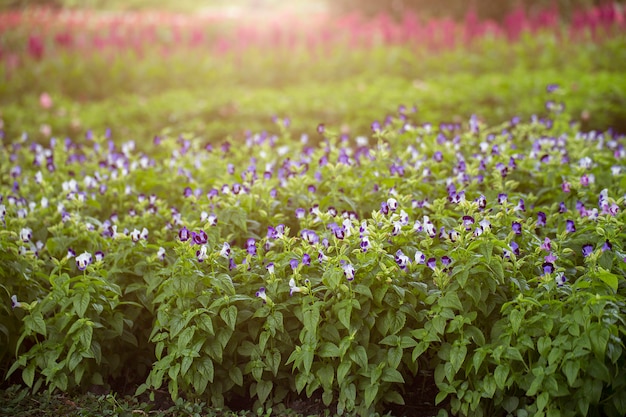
point(184, 339)
point(457, 356)
point(36, 323)
point(608, 278)
point(204, 366)
point(501, 373)
point(394, 357)
point(542, 401)
point(81, 302)
point(451, 300)
point(370, 394)
point(359, 356)
point(204, 322)
point(85, 336)
point(570, 369)
point(229, 315)
point(311, 318)
point(263, 390)
point(28, 374)
point(515, 317)
point(328, 350)
point(342, 371)
point(326, 376)
point(235, 375)
point(599, 337)
point(344, 315)
point(392, 375)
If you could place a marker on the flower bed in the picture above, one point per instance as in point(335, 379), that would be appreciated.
point(491, 256)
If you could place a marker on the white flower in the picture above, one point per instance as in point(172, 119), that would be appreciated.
point(202, 253)
point(14, 302)
point(83, 260)
point(225, 252)
point(26, 234)
point(161, 253)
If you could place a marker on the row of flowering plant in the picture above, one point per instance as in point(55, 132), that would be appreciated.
point(489, 257)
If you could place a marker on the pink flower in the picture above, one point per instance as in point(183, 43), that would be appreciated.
point(45, 100)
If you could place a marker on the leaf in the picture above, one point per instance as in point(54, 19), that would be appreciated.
point(599, 337)
point(204, 366)
point(311, 318)
point(570, 369)
point(451, 300)
point(204, 322)
point(359, 356)
point(85, 336)
point(344, 315)
point(370, 394)
point(235, 375)
point(28, 374)
point(394, 357)
point(328, 350)
point(392, 375)
point(185, 337)
point(501, 373)
point(542, 401)
point(326, 376)
point(36, 323)
point(608, 278)
point(457, 356)
point(515, 317)
point(81, 302)
point(342, 371)
point(229, 315)
point(263, 390)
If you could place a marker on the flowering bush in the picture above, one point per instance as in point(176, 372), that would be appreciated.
point(490, 256)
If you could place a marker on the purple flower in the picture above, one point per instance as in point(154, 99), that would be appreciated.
point(200, 238)
point(562, 207)
point(515, 248)
point(565, 186)
point(547, 267)
point(468, 221)
point(550, 258)
point(294, 263)
point(300, 212)
point(384, 207)
point(541, 219)
point(432, 263)
point(570, 227)
point(251, 246)
point(438, 156)
point(184, 234)
point(520, 205)
point(587, 249)
point(99, 255)
point(547, 244)
point(607, 246)
point(306, 259)
point(320, 128)
point(502, 198)
point(517, 228)
point(445, 260)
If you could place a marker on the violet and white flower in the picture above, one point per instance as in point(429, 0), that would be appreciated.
point(99, 256)
point(70, 253)
point(468, 221)
point(14, 303)
point(392, 204)
point(294, 288)
point(365, 243)
point(201, 254)
point(348, 271)
point(401, 259)
point(83, 260)
point(261, 294)
point(26, 234)
point(200, 237)
point(420, 258)
point(432, 263)
point(560, 279)
point(184, 234)
point(225, 251)
point(446, 260)
point(161, 253)
point(270, 268)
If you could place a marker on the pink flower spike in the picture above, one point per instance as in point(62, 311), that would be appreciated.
point(45, 100)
